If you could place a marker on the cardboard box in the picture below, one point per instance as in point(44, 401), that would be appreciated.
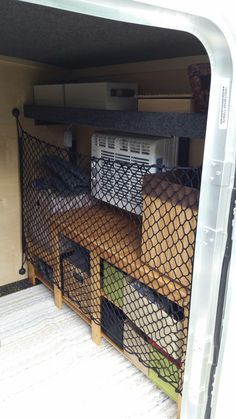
point(161, 103)
point(49, 95)
point(169, 227)
point(102, 95)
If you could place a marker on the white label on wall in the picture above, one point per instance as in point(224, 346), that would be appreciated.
point(224, 104)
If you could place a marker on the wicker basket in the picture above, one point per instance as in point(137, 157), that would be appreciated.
point(200, 79)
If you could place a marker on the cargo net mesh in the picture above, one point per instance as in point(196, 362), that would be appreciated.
point(118, 241)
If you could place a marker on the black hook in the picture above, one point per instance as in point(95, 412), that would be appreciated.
point(15, 112)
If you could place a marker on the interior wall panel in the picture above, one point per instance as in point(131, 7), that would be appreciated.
point(16, 80)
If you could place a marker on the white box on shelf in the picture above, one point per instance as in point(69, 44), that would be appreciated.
point(101, 95)
point(49, 95)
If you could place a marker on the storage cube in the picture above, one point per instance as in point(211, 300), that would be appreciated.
point(49, 95)
point(45, 270)
point(102, 95)
point(77, 280)
point(156, 316)
point(168, 375)
point(163, 385)
point(80, 259)
point(169, 227)
point(112, 322)
point(136, 348)
point(113, 283)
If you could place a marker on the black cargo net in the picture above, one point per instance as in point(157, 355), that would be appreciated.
point(118, 240)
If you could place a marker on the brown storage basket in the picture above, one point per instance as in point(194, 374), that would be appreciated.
point(200, 79)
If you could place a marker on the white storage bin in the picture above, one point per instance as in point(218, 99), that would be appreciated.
point(102, 95)
point(49, 95)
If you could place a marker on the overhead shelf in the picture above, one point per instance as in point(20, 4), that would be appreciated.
point(192, 125)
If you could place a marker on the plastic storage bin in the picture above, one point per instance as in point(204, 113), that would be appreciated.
point(136, 347)
point(156, 316)
point(112, 322)
point(77, 280)
point(170, 373)
point(113, 283)
point(45, 270)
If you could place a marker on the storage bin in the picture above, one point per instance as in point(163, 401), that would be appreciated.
point(163, 385)
point(102, 95)
point(156, 316)
point(45, 270)
point(49, 95)
point(165, 103)
point(169, 227)
point(113, 283)
point(66, 245)
point(149, 360)
point(80, 259)
point(164, 373)
point(76, 279)
point(136, 347)
point(112, 321)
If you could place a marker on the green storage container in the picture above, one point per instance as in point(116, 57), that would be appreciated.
point(167, 370)
point(113, 284)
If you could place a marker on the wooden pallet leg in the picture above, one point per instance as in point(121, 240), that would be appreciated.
point(57, 297)
point(96, 333)
point(179, 406)
point(96, 298)
point(31, 273)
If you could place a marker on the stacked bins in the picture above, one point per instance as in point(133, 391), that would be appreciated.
point(134, 318)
